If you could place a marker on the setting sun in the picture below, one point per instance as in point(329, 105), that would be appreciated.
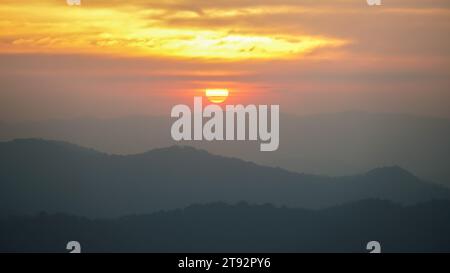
point(216, 95)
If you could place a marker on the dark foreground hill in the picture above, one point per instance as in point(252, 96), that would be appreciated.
point(219, 227)
point(38, 175)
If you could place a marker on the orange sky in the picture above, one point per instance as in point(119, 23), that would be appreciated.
point(141, 57)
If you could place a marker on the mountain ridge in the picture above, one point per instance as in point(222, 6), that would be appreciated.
point(57, 176)
point(242, 227)
point(332, 144)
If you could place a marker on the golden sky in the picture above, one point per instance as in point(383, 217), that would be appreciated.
point(150, 28)
point(140, 56)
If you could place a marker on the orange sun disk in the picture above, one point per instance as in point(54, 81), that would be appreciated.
point(216, 95)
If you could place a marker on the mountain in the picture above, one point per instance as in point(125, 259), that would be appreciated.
point(219, 227)
point(40, 175)
point(324, 144)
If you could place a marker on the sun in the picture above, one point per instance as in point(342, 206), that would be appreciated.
point(216, 95)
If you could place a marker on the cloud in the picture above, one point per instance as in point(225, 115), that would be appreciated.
point(136, 55)
point(136, 29)
point(224, 29)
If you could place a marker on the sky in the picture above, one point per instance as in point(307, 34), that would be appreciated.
point(119, 58)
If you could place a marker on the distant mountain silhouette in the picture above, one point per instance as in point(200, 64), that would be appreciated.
point(218, 227)
point(39, 175)
point(325, 144)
